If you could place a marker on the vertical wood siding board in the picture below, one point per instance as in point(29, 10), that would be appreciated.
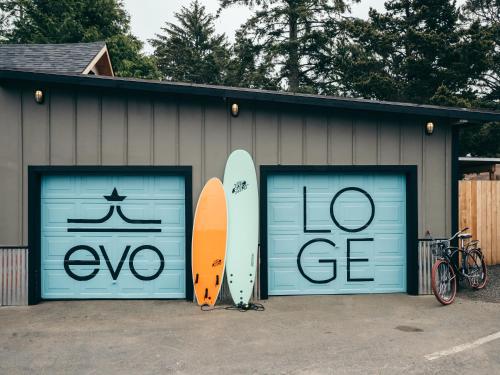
point(254, 133)
point(266, 138)
point(328, 139)
point(366, 131)
point(20, 196)
point(228, 127)
point(165, 132)
point(400, 137)
point(425, 187)
point(35, 144)
point(178, 133)
point(342, 139)
point(379, 157)
point(389, 145)
point(496, 221)
point(62, 128)
point(497, 232)
point(291, 138)
point(491, 221)
point(482, 213)
point(477, 211)
point(280, 159)
point(489, 204)
point(75, 127)
point(317, 139)
point(411, 154)
point(494, 224)
point(448, 183)
point(215, 148)
point(127, 132)
point(152, 160)
point(10, 166)
point(203, 144)
point(49, 128)
point(88, 129)
point(139, 130)
point(190, 143)
point(354, 143)
point(114, 125)
point(99, 130)
point(473, 211)
point(304, 139)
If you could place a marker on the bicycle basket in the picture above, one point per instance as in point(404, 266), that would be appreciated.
point(438, 247)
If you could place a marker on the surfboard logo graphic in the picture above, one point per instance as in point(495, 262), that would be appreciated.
point(217, 262)
point(239, 187)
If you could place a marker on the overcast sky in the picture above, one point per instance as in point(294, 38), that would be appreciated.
point(148, 16)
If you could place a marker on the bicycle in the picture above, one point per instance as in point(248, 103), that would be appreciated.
point(445, 271)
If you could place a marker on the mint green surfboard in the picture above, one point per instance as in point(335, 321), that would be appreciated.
point(240, 185)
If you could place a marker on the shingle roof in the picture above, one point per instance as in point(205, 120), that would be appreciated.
point(60, 58)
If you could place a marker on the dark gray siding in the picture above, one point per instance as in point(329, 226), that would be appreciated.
point(93, 128)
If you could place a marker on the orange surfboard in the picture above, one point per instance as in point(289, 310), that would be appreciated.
point(209, 242)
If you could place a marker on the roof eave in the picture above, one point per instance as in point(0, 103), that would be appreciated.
point(453, 114)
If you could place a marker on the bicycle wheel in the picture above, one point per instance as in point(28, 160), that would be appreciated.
point(476, 269)
point(444, 282)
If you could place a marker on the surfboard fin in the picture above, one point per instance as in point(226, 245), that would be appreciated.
point(196, 279)
point(216, 279)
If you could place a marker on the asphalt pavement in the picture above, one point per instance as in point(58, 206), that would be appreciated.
point(362, 334)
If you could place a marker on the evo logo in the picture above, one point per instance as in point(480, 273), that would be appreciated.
point(97, 228)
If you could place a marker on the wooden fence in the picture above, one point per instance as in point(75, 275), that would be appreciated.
point(13, 276)
point(479, 209)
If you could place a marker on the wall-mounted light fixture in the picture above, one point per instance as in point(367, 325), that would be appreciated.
point(39, 96)
point(235, 110)
point(429, 128)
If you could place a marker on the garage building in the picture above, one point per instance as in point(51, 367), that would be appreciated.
point(100, 176)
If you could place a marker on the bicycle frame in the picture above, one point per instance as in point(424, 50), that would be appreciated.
point(449, 252)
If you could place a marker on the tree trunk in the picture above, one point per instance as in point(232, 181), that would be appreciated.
point(293, 48)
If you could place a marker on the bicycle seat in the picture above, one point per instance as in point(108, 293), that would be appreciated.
point(465, 235)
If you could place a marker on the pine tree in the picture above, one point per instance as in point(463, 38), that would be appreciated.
point(190, 50)
point(73, 21)
point(247, 68)
point(484, 19)
point(414, 51)
point(290, 34)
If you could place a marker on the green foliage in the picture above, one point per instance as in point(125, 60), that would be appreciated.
point(189, 50)
point(410, 52)
point(246, 67)
point(484, 16)
point(72, 21)
point(290, 37)
point(480, 140)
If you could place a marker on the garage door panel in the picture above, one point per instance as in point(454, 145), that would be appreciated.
point(390, 276)
point(283, 280)
point(284, 244)
point(138, 219)
point(376, 236)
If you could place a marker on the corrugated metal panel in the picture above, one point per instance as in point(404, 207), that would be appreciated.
point(425, 262)
point(13, 276)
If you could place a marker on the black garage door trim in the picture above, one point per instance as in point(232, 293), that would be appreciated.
point(35, 174)
point(410, 172)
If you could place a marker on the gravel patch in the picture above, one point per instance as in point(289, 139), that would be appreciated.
point(490, 293)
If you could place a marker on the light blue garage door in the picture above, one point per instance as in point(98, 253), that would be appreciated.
point(112, 237)
point(336, 234)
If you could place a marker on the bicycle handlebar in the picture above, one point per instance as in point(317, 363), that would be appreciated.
point(456, 234)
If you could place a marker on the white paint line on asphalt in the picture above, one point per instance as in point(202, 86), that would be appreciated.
point(462, 347)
